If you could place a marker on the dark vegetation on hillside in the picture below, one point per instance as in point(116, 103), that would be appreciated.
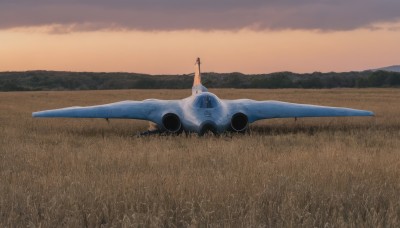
point(55, 80)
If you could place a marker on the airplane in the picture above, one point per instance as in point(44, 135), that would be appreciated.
point(202, 112)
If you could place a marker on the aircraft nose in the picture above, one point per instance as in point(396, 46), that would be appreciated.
point(208, 126)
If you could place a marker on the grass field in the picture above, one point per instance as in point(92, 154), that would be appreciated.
point(322, 172)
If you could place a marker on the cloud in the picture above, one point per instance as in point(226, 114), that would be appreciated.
point(87, 15)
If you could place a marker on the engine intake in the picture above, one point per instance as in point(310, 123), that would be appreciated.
point(239, 122)
point(172, 123)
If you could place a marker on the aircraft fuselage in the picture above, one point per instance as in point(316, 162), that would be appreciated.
point(205, 112)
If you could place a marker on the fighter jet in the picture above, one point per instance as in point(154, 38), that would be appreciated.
point(201, 112)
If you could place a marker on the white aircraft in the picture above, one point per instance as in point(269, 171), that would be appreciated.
point(201, 112)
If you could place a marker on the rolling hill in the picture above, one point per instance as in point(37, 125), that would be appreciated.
point(394, 68)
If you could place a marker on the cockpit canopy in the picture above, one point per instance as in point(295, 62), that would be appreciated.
point(205, 100)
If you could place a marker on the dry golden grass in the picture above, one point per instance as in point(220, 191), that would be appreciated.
point(323, 172)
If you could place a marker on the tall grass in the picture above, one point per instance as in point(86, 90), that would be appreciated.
point(323, 172)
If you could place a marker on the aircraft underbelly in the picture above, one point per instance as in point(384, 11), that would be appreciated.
point(196, 119)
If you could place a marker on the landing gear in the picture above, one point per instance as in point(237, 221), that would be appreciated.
point(208, 127)
point(159, 132)
point(150, 132)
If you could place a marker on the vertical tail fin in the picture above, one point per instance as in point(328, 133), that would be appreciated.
point(197, 86)
point(197, 73)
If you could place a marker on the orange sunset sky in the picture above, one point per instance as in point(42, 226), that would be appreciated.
point(237, 36)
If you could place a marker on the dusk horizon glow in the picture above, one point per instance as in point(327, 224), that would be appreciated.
point(252, 37)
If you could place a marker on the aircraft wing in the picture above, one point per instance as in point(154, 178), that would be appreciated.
point(151, 110)
point(256, 110)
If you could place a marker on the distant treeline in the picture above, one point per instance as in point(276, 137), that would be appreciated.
point(55, 80)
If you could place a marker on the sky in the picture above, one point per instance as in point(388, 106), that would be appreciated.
point(165, 37)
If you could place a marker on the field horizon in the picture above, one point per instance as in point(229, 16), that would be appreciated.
point(313, 172)
point(69, 81)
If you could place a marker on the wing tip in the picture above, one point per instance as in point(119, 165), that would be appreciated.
point(36, 114)
point(367, 113)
